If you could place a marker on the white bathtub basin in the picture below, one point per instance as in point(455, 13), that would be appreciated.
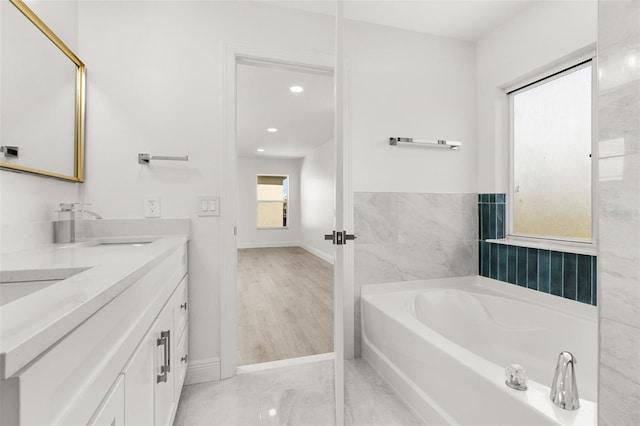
point(444, 344)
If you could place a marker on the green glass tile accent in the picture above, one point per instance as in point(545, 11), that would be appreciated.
point(556, 273)
point(521, 274)
point(562, 274)
point(532, 268)
point(493, 266)
point(500, 231)
point(594, 281)
point(486, 215)
point(569, 276)
point(512, 264)
point(502, 262)
point(584, 279)
point(485, 258)
point(544, 270)
point(492, 222)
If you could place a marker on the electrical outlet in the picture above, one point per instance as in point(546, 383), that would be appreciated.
point(152, 206)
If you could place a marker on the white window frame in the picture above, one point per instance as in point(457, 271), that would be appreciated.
point(587, 246)
point(258, 202)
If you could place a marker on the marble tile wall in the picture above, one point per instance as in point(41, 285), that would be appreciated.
point(408, 236)
point(411, 236)
point(619, 216)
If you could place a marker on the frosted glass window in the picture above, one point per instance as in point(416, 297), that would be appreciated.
point(272, 198)
point(552, 157)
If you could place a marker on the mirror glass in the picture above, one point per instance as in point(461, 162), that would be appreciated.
point(42, 98)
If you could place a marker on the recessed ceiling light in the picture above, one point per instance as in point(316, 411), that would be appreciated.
point(260, 149)
point(296, 89)
point(272, 130)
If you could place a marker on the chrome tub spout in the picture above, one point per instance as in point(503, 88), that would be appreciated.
point(564, 390)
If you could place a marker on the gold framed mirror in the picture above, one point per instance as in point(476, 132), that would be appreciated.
point(42, 96)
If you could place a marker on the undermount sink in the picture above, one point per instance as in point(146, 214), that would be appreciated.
point(122, 242)
point(135, 244)
point(17, 284)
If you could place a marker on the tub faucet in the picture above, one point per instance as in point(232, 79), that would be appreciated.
point(564, 391)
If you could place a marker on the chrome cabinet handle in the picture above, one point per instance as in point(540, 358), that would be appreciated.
point(168, 350)
point(184, 358)
point(184, 306)
point(162, 341)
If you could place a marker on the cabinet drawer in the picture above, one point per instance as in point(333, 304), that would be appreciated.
point(180, 307)
point(182, 362)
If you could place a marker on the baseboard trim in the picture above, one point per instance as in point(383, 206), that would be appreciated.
point(269, 244)
point(203, 370)
point(318, 253)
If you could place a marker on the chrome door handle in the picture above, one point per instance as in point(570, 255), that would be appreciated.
point(339, 238)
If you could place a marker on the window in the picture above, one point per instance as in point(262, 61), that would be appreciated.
point(272, 197)
point(551, 137)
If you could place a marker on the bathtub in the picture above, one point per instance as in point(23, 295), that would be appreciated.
point(444, 344)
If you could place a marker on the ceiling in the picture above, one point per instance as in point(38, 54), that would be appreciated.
point(467, 20)
point(304, 120)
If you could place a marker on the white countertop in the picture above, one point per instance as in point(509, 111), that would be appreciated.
point(31, 324)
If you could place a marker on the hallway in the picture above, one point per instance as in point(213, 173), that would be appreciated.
point(285, 304)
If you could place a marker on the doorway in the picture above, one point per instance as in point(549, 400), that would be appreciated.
point(285, 179)
point(230, 227)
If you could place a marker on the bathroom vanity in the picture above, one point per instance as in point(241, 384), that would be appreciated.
point(94, 332)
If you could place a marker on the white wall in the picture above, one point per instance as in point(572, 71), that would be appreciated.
point(248, 234)
point(317, 199)
point(408, 84)
point(541, 35)
point(154, 85)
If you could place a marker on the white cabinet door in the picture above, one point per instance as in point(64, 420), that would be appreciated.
point(164, 367)
point(180, 301)
point(139, 382)
point(182, 362)
point(111, 410)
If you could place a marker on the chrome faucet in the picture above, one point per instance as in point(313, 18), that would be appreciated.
point(70, 207)
point(564, 391)
point(89, 212)
point(68, 228)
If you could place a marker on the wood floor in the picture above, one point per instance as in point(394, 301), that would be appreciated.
point(285, 304)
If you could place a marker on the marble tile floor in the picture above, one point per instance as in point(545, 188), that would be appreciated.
point(297, 395)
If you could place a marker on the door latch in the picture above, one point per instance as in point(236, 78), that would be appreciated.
point(339, 238)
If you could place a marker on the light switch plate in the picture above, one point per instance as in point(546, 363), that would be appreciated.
point(208, 205)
